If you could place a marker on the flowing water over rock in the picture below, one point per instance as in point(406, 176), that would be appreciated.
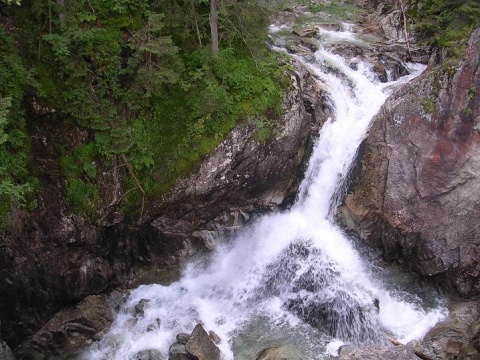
point(292, 278)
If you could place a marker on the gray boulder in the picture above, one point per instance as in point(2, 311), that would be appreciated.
point(182, 338)
point(149, 354)
point(178, 352)
point(201, 346)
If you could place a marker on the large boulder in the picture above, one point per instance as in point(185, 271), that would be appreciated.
point(417, 195)
point(458, 336)
point(68, 330)
point(201, 346)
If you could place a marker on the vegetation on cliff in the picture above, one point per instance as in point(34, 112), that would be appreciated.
point(138, 77)
point(445, 24)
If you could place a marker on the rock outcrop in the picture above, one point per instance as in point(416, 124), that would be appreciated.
point(457, 337)
point(68, 330)
point(417, 195)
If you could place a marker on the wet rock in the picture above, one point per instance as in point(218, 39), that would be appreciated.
point(150, 354)
point(201, 346)
point(341, 315)
point(381, 353)
point(154, 325)
point(457, 336)
point(215, 338)
point(140, 307)
point(68, 330)
point(319, 296)
point(346, 350)
point(305, 31)
point(277, 353)
point(182, 338)
point(5, 352)
point(178, 352)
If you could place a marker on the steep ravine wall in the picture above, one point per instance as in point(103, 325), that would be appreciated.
point(418, 195)
point(52, 259)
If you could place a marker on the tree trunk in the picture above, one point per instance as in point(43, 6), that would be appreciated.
point(214, 26)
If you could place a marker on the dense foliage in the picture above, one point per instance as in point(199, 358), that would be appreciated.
point(446, 24)
point(139, 77)
point(15, 183)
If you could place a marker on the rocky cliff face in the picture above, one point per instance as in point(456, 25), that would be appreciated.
point(418, 195)
point(51, 258)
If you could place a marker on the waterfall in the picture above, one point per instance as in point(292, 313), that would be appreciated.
point(291, 277)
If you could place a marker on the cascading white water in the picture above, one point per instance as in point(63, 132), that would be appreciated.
point(289, 278)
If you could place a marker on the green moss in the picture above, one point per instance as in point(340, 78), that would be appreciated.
point(83, 197)
point(471, 92)
point(467, 112)
point(264, 128)
point(428, 105)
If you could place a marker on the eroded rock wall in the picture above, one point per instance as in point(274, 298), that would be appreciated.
point(418, 194)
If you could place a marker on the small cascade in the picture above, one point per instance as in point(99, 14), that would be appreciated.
point(290, 278)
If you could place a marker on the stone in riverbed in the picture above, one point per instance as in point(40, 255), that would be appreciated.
point(182, 338)
point(178, 352)
point(381, 353)
point(215, 338)
point(277, 353)
point(149, 354)
point(140, 307)
point(201, 346)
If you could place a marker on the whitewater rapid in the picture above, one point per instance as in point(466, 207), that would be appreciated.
point(290, 278)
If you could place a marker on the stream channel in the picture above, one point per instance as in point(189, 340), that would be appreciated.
point(292, 278)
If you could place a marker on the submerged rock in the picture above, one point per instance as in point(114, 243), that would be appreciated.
point(140, 307)
point(277, 353)
point(318, 295)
